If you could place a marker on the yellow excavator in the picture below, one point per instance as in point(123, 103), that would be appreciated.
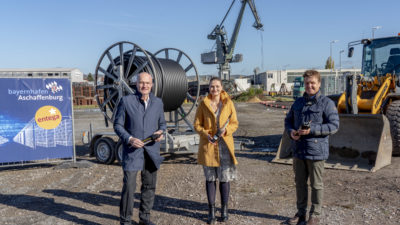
point(369, 111)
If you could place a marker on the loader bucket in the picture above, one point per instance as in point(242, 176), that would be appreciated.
point(363, 143)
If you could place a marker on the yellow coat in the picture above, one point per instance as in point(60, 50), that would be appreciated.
point(205, 123)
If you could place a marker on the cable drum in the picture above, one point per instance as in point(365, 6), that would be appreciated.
point(116, 76)
point(136, 63)
point(188, 66)
point(158, 78)
point(175, 85)
point(158, 69)
point(171, 83)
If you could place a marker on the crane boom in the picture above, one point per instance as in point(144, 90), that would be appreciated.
point(257, 24)
point(224, 48)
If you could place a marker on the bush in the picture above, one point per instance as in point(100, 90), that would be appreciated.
point(254, 91)
point(251, 92)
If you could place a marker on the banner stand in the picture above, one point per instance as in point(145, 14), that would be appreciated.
point(73, 133)
point(36, 121)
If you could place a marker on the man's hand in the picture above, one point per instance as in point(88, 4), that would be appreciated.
point(295, 135)
point(304, 132)
point(161, 135)
point(136, 143)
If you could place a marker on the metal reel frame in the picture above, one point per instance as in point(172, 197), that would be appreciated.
point(118, 75)
point(181, 111)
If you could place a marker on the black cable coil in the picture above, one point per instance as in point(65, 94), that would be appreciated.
point(175, 85)
point(170, 80)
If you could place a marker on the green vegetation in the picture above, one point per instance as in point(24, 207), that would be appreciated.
point(90, 77)
point(330, 64)
point(245, 96)
point(258, 92)
point(283, 98)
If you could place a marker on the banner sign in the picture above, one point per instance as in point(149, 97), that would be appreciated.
point(35, 119)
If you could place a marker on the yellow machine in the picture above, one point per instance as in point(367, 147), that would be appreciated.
point(272, 91)
point(369, 111)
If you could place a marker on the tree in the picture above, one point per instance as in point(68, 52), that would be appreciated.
point(90, 77)
point(330, 64)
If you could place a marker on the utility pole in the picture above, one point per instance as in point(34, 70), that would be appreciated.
point(330, 54)
point(373, 30)
point(340, 59)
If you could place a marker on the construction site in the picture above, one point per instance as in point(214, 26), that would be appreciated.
point(61, 158)
point(264, 193)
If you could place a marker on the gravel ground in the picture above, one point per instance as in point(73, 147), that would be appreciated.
point(88, 192)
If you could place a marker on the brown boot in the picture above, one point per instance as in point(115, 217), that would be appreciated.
point(313, 220)
point(297, 219)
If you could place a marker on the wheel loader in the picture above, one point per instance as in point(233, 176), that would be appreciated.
point(369, 111)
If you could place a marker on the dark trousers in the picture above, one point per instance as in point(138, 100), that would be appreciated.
point(304, 169)
point(149, 179)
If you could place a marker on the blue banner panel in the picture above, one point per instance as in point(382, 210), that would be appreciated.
point(35, 119)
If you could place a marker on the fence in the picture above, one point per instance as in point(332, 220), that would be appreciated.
point(331, 83)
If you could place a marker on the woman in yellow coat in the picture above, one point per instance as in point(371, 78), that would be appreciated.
point(215, 115)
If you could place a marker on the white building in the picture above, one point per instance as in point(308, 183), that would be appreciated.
point(73, 73)
point(242, 84)
point(332, 82)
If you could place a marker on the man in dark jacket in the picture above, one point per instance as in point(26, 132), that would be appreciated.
point(310, 121)
point(138, 117)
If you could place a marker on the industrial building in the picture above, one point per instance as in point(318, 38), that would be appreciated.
point(73, 73)
point(332, 82)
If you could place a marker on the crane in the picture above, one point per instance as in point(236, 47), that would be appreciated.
point(223, 55)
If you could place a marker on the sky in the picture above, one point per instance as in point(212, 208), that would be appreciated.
point(297, 34)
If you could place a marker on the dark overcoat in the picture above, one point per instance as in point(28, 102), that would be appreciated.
point(132, 119)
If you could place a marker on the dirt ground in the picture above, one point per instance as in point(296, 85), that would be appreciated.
point(264, 193)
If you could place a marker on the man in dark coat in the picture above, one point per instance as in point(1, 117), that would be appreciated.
point(138, 117)
point(310, 121)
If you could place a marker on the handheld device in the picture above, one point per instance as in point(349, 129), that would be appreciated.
point(219, 131)
point(306, 125)
point(153, 137)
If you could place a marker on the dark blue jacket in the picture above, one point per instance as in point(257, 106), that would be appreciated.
point(132, 119)
point(322, 113)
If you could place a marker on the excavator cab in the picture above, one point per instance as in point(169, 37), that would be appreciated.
point(369, 111)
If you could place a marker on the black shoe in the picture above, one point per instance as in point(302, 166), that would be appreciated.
point(128, 223)
point(141, 222)
point(224, 213)
point(297, 220)
point(211, 214)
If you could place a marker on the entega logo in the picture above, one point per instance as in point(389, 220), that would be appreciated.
point(53, 87)
point(48, 117)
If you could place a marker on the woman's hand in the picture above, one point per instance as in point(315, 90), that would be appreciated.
point(211, 140)
point(223, 132)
